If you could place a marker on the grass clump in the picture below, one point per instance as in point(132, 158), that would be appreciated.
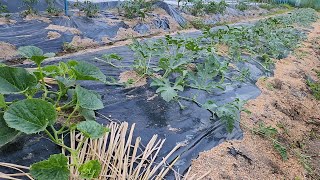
point(315, 87)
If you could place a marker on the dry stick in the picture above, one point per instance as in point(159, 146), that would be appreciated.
point(153, 159)
point(134, 153)
point(201, 177)
point(117, 162)
point(16, 167)
point(138, 169)
point(7, 177)
point(128, 145)
point(121, 150)
point(109, 151)
point(188, 172)
point(104, 146)
point(168, 168)
point(118, 149)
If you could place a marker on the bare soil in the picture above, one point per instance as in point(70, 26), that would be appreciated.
point(53, 35)
point(4, 20)
point(82, 43)
point(31, 17)
point(133, 76)
point(8, 51)
point(286, 104)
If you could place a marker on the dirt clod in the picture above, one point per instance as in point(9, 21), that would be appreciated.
point(53, 35)
point(132, 78)
point(8, 51)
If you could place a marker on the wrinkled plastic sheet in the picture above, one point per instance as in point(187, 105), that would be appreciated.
point(33, 32)
point(192, 126)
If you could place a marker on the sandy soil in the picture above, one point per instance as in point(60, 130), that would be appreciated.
point(31, 17)
point(8, 51)
point(285, 104)
point(136, 79)
point(53, 35)
point(82, 43)
point(4, 20)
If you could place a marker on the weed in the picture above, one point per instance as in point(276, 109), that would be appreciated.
point(270, 86)
point(283, 127)
point(305, 161)
point(271, 133)
point(287, 6)
point(267, 131)
point(282, 150)
point(315, 88)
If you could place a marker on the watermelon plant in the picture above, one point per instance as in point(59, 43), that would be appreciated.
point(176, 64)
point(52, 9)
point(135, 8)
point(29, 4)
point(3, 9)
point(41, 106)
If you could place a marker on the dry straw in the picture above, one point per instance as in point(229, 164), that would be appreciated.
point(121, 155)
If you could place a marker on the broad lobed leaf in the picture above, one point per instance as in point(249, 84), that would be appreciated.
point(30, 115)
point(15, 80)
point(92, 129)
point(55, 168)
point(7, 134)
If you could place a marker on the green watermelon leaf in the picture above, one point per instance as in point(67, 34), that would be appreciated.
point(7, 134)
point(55, 168)
point(165, 89)
point(29, 51)
point(34, 53)
point(88, 114)
point(30, 115)
point(87, 71)
point(88, 99)
point(2, 101)
point(15, 80)
point(90, 169)
point(92, 129)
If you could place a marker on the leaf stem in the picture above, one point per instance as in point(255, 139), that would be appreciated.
point(191, 100)
point(68, 120)
point(45, 94)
